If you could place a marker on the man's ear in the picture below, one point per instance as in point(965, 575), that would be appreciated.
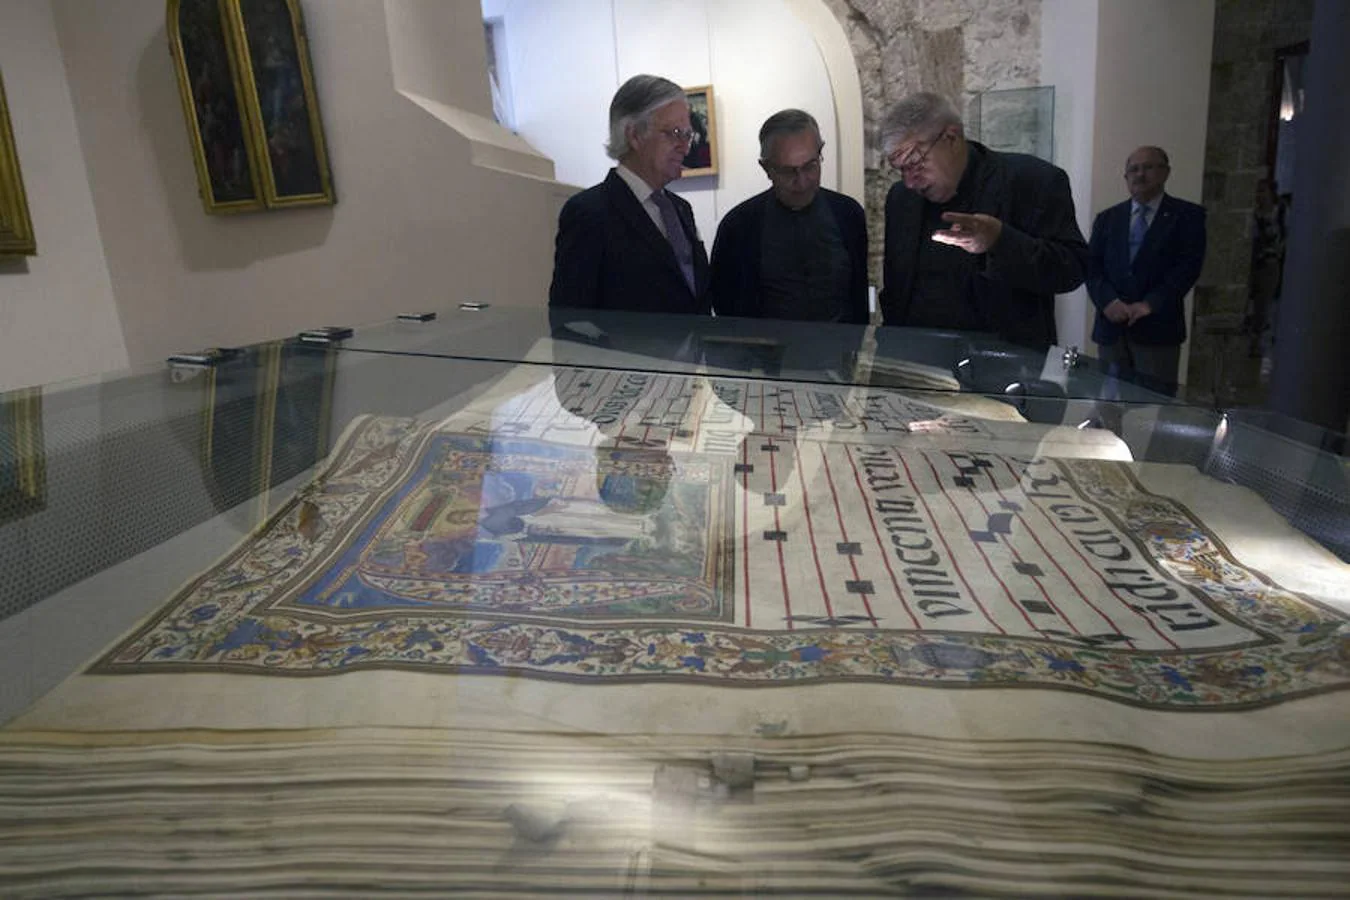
point(763, 164)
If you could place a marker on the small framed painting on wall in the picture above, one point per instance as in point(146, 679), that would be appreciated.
point(702, 156)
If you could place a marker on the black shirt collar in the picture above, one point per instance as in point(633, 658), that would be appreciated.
point(965, 189)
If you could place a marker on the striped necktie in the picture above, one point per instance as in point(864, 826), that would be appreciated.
point(1138, 228)
point(679, 241)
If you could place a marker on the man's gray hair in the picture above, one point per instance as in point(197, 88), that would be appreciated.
point(787, 121)
point(633, 104)
point(916, 113)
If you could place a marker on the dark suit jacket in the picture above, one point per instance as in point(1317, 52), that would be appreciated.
point(736, 256)
point(1164, 269)
point(610, 255)
point(1040, 253)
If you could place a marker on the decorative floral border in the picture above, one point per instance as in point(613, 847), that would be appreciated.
point(225, 621)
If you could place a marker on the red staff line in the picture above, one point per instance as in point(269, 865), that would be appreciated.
point(885, 556)
point(1073, 584)
point(1018, 557)
point(843, 530)
point(815, 552)
point(697, 404)
point(745, 529)
point(983, 555)
point(777, 525)
point(941, 537)
point(1091, 568)
point(671, 397)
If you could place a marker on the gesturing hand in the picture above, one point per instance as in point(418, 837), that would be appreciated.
point(972, 232)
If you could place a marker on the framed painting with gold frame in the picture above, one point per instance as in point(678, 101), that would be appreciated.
point(702, 156)
point(247, 87)
point(16, 227)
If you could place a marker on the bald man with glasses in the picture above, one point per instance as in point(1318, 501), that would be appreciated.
point(976, 239)
point(797, 250)
point(1147, 253)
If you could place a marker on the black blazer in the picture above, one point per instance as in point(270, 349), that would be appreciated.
point(1040, 253)
point(1165, 268)
point(736, 256)
point(610, 255)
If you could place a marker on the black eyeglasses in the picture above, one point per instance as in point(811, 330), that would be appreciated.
point(908, 161)
point(810, 168)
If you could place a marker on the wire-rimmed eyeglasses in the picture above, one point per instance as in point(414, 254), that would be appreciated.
point(911, 159)
point(679, 135)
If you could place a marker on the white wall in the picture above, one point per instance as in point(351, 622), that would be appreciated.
point(1153, 62)
point(58, 319)
point(1069, 63)
point(417, 225)
point(567, 57)
point(131, 268)
point(1126, 73)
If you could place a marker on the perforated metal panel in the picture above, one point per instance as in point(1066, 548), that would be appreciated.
point(1308, 486)
point(134, 462)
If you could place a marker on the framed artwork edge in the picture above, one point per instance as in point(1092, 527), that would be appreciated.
point(185, 93)
point(23, 477)
point(16, 225)
point(261, 177)
point(238, 33)
point(707, 90)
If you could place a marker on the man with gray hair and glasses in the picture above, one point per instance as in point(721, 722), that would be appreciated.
point(628, 243)
point(797, 250)
point(976, 239)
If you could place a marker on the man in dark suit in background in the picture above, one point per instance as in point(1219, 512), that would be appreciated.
point(628, 243)
point(1147, 253)
point(797, 250)
point(976, 239)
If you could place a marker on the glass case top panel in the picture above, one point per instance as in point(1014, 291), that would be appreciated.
point(578, 602)
point(759, 348)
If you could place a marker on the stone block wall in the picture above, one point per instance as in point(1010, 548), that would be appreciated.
point(1246, 35)
point(957, 48)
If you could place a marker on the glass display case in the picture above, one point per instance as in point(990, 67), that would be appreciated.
point(1016, 120)
point(517, 602)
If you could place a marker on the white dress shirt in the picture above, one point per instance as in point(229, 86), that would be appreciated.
point(643, 192)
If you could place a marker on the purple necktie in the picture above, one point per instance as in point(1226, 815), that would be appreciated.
point(679, 241)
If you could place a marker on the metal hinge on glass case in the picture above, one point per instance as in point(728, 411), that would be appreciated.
point(328, 334)
point(203, 359)
point(1071, 358)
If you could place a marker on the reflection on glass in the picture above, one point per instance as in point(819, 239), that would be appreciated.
point(23, 467)
point(1016, 120)
point(685, 631)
